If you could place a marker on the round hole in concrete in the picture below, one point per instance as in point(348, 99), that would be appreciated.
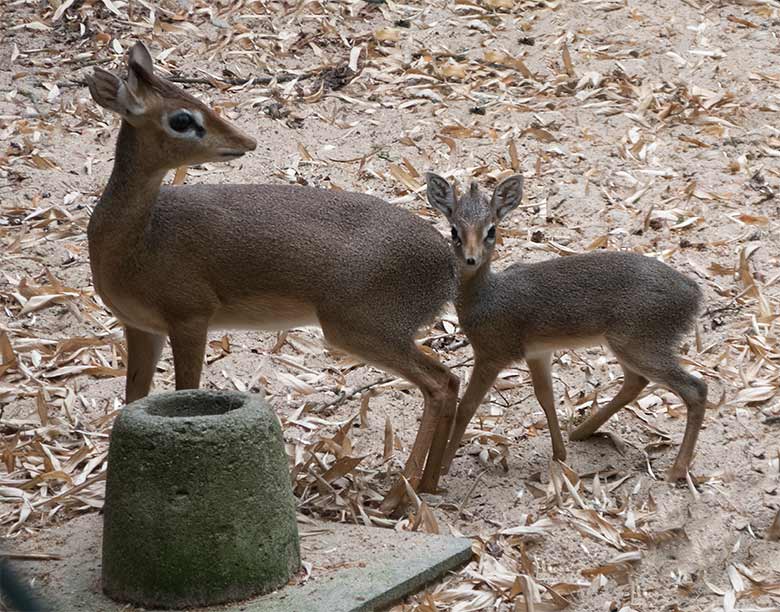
point(187, 406)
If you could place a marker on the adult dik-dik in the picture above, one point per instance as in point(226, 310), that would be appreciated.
point(636, 305)
point(178, 261)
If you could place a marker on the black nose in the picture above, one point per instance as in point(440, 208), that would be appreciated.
point(471, 261)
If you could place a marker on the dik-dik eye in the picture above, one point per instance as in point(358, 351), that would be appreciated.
point(455, 237)
point(491, 233)
point(181, 121)
point(186, 124)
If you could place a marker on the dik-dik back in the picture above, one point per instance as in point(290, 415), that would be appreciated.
point(276, 256)
point(578, 300)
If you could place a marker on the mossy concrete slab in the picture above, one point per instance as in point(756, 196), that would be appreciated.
point(390, 566)
point(352, 569)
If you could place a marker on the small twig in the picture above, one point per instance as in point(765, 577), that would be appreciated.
point(261, 80)
point(457, 345)
point(467, 496)
point(70, 83)
point(460, 364)
point(19, 556)
point(92, 62)
point(731, 306)
point(343, 397)
point(506, 404)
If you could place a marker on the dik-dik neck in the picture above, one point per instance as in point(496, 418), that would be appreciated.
point(474, 286)
point(134, 184)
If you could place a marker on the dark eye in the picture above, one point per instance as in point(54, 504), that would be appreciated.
point(455, 237)
point(181, 121)
point(491, 235)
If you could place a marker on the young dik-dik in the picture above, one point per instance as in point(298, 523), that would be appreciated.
point(177, 261)
point(636, 305)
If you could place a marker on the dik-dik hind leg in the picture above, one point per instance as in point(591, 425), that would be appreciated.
point(692, 391)
point(438, 386)
point(659, 364)
point(482, 378)
point(633, 384)
point(434, 465)
point(440, 396)
point(188, 341)
point(143, 353)
point(543, 389)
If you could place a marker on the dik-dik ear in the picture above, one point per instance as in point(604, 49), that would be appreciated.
point(116, 95)
point(140, 66)
point(124, 97)
point(507, 196)
point(441, 195)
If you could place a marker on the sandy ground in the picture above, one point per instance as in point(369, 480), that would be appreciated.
point(648, 126)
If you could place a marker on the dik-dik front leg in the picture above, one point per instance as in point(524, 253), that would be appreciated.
point(188, 341)
point(543, 389)
point(482, 378)
point(143, 353)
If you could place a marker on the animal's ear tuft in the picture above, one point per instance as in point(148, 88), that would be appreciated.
point(507, 196)
point(440, 194)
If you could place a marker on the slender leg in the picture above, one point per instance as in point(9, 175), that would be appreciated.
point(188, 341)
point(693, 392)
point(395, 351)
point(543, 389)
point(434, 381)
point(658, 362)
point(482, 378)
point(434, 464)
point(143, 353)
point(633, 384)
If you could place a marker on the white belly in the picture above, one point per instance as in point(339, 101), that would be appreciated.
point(264, 313)
point(550, 345)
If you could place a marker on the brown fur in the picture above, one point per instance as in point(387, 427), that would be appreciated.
point(176, 261)
point(636, 305)
point(773, 533)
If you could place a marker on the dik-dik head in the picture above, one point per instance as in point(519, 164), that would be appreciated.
point(473, 218)
point(171, 127)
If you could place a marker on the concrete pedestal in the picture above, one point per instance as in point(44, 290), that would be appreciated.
point(199, 508)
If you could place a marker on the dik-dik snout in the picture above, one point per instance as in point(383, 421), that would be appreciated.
point(171, 127)
point(472, 218)
point(473, 243)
